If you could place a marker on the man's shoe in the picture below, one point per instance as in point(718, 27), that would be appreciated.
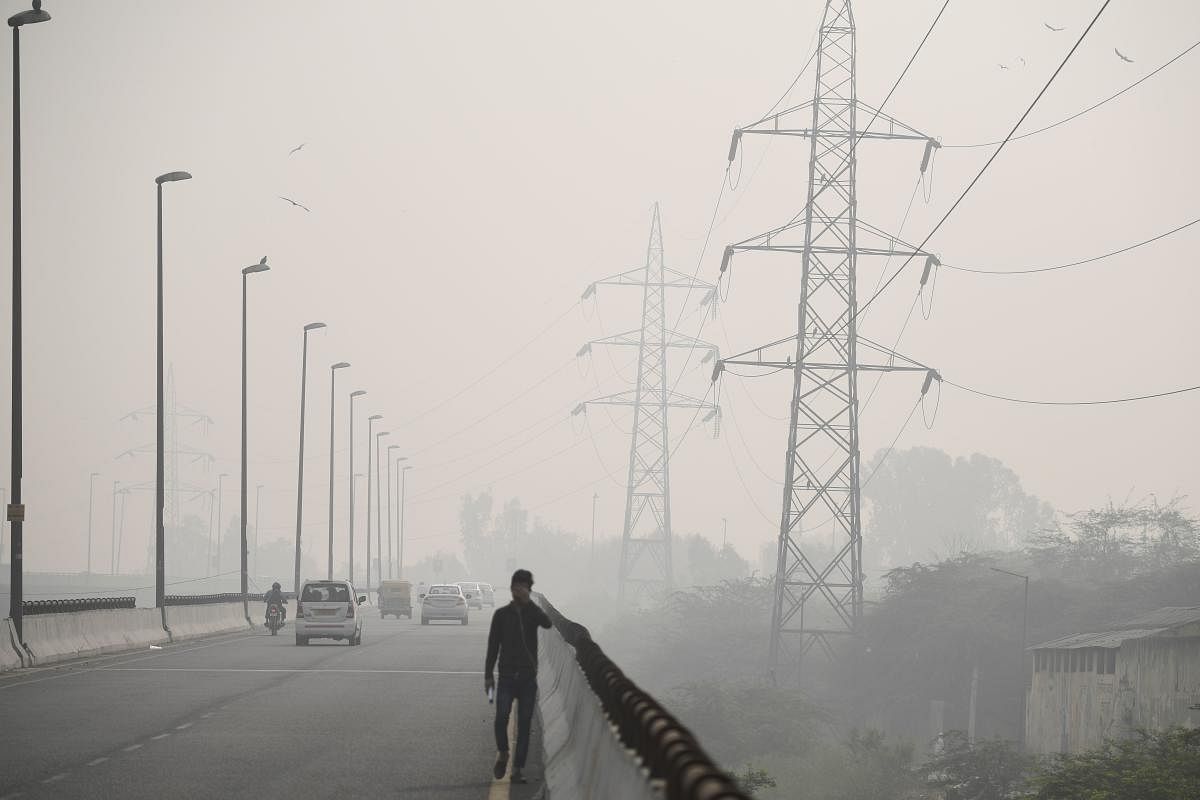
point(518, 776)
point(501, 765)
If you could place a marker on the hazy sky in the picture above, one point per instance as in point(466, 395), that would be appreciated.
point(472, 166)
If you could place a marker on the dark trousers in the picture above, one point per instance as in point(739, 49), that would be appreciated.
point(523, 689)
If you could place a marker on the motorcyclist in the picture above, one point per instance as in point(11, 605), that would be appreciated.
point(276, 596)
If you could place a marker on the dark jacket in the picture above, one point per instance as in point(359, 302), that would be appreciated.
point(275, 596)
point(513, 638)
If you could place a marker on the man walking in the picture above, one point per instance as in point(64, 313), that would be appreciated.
point(513, 638)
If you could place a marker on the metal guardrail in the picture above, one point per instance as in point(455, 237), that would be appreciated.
point(665, 746)
point(224, 597)
point(76, 604)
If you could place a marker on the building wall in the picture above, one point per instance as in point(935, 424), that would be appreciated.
point(1070, 709)
point(1158, 679)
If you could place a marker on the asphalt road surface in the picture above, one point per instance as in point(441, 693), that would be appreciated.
point(253, 715)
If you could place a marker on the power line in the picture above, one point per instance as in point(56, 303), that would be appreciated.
point(988, 163)
point(1111, 401)
point(1090, 108)
point(1033, 270)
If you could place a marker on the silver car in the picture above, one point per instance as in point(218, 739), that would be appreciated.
point(329, 610)
point(444, 601)
point(473, 592)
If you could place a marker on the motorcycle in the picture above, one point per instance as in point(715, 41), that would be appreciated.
point(274, 618)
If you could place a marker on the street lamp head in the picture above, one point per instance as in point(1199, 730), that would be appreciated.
point(169, 177)
point(358, 393)
point(95, 474)
point(407, 468)
point(261, 266)
point(402, 458)
point(312, 326)
point(29, 17)
point(382, 433)
point(340, 365)
point(375, 416)
point(392, 447)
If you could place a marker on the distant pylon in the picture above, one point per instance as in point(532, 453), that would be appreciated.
point(647, 529)
point(817, 598)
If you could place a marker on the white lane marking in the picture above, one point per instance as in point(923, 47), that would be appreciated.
point(290, 670)
point(12, 796)
point(54, 778)
point(206, 715)
point(160, 736)
point(183, 726)
point(166, 652)
point(131, 748)
point(96, 761)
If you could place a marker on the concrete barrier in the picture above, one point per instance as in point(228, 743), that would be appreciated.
point(58, 637)
point(10, 650)
point(584, 758)
point(190, 622)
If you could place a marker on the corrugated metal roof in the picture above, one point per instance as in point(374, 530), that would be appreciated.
point(1149, 624)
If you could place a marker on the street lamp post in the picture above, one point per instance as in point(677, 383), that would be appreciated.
point(261, 266)
point(1024, 630)
point(91, 507)
point(400, 567)
point(332, 407)
point(353, 395)
point(378, 497)
point(160, 536)
point(353, 486)
point(388, 456)
point(16, 510)
point(312, 326)
point(112, 548)
point(370, 438)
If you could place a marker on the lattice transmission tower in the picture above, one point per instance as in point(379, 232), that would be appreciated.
point(645, 566)
point(819, 593)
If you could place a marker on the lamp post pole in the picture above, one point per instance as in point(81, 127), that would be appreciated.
point(1024, 644)
point(160, 563)
point(378, 497)
point(220, 491)
point(370, 438)
point(388, 456)
point(312, 326)
point(16, 510)
point(91, 507)
point(332, 407)
point(353, 396)
point(402, 496)
point(261, 266)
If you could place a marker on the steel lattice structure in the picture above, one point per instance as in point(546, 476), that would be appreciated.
point(820, 596)
point(645, 566)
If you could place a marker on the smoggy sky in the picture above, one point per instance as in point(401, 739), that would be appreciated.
point(470, 167)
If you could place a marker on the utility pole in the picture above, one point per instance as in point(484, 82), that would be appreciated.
point(647, 528)
point(818, 600)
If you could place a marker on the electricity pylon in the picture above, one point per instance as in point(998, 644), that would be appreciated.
point(647, 529)
point(818, 598)
point(173, 448)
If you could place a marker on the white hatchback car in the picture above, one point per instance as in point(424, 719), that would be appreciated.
point(329, 610)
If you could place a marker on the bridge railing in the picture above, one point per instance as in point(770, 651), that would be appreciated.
point(670, 753)
point(79, 604)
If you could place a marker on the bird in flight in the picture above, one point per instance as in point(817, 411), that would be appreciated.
point(1052, 28)
point(1021, 60)
point(293, 202)
point(297, 148)
point(1001, 66)
point(1122, 56)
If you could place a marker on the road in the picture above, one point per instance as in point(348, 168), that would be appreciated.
point(252, 715)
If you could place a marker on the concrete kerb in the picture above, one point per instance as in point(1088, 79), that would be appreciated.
point(191, 622)
point(11, 654)
point(60, 637)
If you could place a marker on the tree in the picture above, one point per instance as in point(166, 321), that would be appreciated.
point(989, 769)
point(1153, 766)
point(925, 505)
point(1118, 542)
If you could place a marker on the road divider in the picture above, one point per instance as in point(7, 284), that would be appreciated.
point(10, 649)
point(59, 637)
point(205, 619)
